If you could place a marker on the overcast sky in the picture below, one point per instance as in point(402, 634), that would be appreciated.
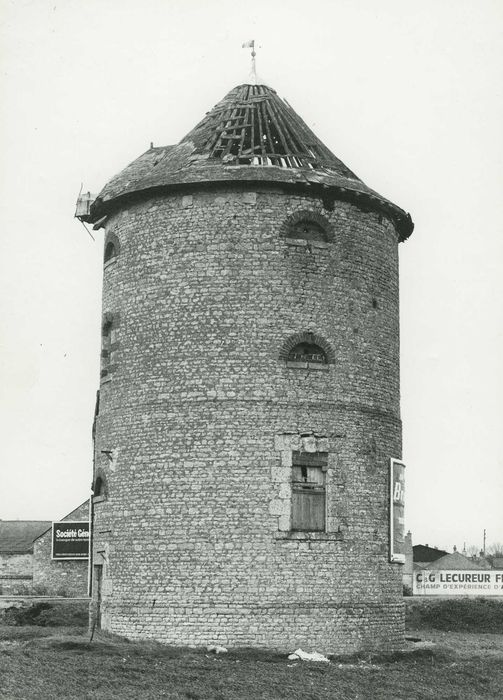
point(409, 95)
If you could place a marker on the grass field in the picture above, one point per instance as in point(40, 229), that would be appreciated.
point(54, 662)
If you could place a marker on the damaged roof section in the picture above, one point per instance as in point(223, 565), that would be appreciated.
point(251, 136)
point(253, 126)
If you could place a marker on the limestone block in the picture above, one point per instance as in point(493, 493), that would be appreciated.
point(309, 444)
point(279, 507)
point(285, 490)
point(286, 458)
point(284, 522)
point(322, 444)
point(295, 443)
point(279, 443)
point(250, 197)
point(280, 474)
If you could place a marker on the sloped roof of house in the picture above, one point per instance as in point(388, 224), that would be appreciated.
point(251, 135)
point(424, 553)
point(456, 560)
point(16, 536)
point(68, 516)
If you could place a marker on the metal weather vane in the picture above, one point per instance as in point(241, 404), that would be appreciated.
point(251, 45)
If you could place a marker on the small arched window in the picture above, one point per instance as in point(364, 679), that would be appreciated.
point(308, 230)
point(100, 488)
point(307, 352)
point(111, 249)
point(308, 226)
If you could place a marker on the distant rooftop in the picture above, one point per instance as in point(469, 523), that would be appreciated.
point(425, 553)
point(16, 536)
point(456, 560)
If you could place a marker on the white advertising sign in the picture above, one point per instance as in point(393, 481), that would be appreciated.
point(468, 582)
point(397, 507)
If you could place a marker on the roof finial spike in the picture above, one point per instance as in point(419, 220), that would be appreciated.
point(253, 74)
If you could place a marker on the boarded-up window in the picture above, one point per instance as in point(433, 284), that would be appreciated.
point(307, 352)
point(308, 490)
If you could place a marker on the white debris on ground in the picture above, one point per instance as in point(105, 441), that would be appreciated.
point(298, 654)
point(217, 649)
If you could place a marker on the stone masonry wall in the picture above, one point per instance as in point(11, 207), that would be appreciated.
point(68, 578)
point(199, 417)
point(16, 572)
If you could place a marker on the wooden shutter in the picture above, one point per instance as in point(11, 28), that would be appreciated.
point(308, 498)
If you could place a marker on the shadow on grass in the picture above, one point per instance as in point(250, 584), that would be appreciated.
point(412, 655)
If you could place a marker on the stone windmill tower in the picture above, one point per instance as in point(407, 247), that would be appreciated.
point(249, 400)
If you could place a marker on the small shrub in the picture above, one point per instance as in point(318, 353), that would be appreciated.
point(65, 615)
point(25, 616)
point(461, 615)
point(44, 614)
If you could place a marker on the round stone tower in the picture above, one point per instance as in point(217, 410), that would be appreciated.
point(249, 400)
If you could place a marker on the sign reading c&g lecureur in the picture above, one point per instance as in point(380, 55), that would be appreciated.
point(472, 582)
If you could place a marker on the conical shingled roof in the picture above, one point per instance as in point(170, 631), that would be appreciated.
point(250, 136)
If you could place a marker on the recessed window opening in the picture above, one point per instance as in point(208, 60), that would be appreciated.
point(108, 345)
point(307, 352)
point(110, 252)
point(308, 225)
point(309, 490)
point(308, 230)
point(99, 487)
point(112, 249)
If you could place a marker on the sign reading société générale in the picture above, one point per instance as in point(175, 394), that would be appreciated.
point(468, 582)
point(397, 511)
point(70, 540)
